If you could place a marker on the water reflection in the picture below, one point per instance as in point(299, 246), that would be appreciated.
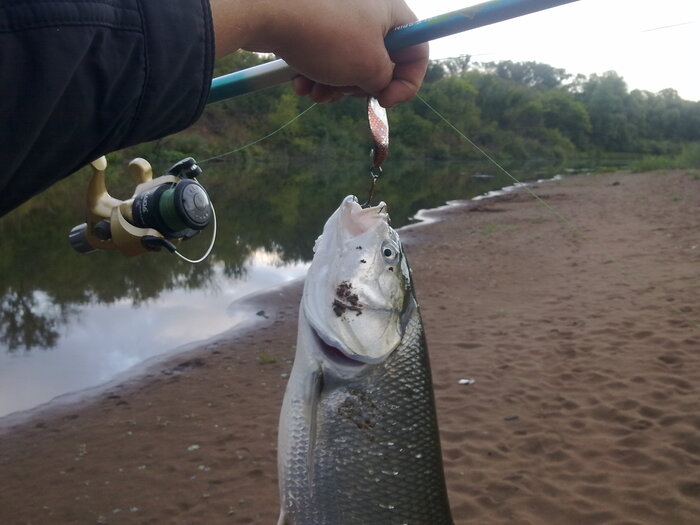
point(101, 313)
point(103, 340)
point(30, 320)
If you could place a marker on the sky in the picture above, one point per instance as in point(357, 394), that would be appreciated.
point(653, 45)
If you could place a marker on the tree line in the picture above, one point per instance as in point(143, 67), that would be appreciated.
point(514, 110)
point(517, 112)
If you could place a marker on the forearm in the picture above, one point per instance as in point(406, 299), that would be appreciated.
point(81, 79)
point(234, 22)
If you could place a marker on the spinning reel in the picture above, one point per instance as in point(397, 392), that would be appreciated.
point(161, 213)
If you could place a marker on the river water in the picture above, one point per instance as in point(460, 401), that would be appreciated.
point(71, 321)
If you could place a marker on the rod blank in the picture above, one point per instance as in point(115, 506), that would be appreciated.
point(278, 71)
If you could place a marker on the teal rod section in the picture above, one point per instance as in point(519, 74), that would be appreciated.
point(278, 71)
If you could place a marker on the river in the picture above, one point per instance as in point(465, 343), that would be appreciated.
point(71, 321)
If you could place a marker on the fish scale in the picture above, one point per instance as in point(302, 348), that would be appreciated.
point(358, 437)
point(387, 418)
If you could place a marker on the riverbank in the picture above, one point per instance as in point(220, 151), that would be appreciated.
point(584, 344)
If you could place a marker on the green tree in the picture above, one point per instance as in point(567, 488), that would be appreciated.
point(605, 98)
point(530, 74)
point(567, 115)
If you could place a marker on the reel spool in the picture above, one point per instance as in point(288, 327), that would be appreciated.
point(161, 213)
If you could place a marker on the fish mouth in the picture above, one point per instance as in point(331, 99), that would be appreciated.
point(335, 354)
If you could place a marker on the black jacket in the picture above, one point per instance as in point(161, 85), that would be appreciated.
point(81, 78)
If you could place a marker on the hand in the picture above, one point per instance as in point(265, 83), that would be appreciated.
point(337, 45)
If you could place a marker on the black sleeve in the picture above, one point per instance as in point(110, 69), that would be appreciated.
point(82, 78)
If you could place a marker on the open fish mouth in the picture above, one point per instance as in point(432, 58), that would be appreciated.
point(356, 285)
point(334, 354)
point(359, 403)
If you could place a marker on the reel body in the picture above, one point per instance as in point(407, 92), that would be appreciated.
point(161, 212)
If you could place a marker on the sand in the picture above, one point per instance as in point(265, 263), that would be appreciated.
point(584, 345)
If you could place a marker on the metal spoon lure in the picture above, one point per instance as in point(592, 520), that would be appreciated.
point(379, 127)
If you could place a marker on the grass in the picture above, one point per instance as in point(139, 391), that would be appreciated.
point(488, 229)
point(688, 158)
point(653, 163)
point(605, 169)
point(266, 359)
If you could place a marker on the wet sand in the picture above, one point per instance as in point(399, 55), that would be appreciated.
point(584, 344)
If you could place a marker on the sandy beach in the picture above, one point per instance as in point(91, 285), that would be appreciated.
point(582, 337)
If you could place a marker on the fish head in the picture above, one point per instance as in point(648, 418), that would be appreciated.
point(358, 282)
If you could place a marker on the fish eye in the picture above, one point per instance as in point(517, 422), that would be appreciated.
point(390, 252)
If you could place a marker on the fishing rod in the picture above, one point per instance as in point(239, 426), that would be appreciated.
point(174, 207)
point(278, 71)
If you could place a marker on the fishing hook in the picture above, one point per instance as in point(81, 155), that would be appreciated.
point(379, 127)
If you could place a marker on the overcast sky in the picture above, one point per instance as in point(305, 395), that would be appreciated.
point(653, 45)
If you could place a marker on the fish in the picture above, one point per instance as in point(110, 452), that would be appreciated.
point(358, 439)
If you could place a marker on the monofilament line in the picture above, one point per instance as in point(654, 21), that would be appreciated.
point(286, 124)
point(553, 210)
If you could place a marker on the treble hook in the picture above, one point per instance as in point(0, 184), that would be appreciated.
point(375, 172)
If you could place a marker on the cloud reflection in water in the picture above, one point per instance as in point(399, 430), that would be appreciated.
point(105, 340)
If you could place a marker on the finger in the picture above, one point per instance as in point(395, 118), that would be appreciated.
point(322, 93)
point(302, 85)
point(305, 87)
point(338, 95)
point(408, 65)
point(409, 71)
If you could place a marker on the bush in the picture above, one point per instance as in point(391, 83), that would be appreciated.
point(651, 163)
point(689, 157)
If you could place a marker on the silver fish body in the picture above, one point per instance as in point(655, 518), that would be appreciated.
point(358, 437)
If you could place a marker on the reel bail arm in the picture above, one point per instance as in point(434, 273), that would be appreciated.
point(161, 213)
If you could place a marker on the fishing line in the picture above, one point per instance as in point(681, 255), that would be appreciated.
point(213, 237)
point(286, 124)
point(566, 221)
point(552, 210)
point(211, 243)
point(661, 28)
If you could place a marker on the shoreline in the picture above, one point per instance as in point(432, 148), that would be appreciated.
point(161, 363)
point(254, 301)
point(585, 352)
